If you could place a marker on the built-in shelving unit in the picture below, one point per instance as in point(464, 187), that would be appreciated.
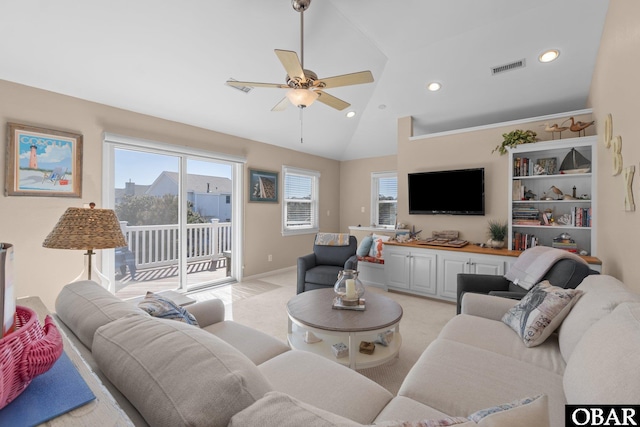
point(539, 214)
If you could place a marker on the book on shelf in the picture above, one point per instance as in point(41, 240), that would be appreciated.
point(522, 241)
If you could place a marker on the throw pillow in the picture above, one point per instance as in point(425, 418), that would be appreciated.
point(365, 246)
point(540, 312)
point(378, 245)
point(528, 412)
point(160, 306)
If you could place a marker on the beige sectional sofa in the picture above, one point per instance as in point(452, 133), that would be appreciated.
point(164, 372)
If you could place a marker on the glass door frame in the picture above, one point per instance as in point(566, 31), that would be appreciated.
point(113, 141)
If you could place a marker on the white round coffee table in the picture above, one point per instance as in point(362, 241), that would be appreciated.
point(312, 311)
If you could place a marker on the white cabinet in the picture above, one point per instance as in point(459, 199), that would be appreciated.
point(433, 272)
point(450, 264)
point(572, 212)
point(410, 269)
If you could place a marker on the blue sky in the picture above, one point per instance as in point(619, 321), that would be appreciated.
point(143, 168)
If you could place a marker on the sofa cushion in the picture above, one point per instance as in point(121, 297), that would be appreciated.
point(540, 312)
point(497, 337)
point(176, 374)
point(603, 368)
point(277, 409)
point(602, 294)
point(459, 379)
point(257, 346)
point(84, 306)
point(164, 308)
point(526, 412)
point(403, 408)
point(326, 384)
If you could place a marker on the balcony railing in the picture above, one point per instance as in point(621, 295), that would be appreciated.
point(158, 245)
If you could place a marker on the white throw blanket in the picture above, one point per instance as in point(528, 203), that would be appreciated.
point(533, 264)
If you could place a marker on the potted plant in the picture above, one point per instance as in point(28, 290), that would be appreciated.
point(513, 138)
point(497, 234)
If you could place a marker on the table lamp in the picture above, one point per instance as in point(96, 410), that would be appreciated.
point(87, 229)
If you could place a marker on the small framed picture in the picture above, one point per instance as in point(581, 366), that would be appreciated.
point(263, 186)
point(43, 162)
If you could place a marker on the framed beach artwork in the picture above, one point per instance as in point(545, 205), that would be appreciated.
point(43, 162)
point(263, 186)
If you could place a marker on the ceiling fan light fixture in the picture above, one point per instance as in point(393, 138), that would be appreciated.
point(549, 55)
point(302, 97)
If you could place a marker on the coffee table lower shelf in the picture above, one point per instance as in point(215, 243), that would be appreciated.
point(352, 340)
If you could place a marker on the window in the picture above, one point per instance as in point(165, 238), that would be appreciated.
point(384, 199)
point(300, 205)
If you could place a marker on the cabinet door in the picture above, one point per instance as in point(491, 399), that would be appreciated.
point(449, 266)
point(423, 272)
point(396, 269)
point(486, 266)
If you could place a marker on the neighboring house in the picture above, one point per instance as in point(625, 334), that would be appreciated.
point(210, 195)
point(130, 189)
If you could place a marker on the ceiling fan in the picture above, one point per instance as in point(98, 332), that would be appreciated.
point(304, 85)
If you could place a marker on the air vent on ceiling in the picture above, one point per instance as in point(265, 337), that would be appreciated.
point(507, 67)
point(245, 89)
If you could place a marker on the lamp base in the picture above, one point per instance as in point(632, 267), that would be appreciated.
point(90, 272)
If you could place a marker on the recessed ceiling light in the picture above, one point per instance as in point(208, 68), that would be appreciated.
point(549, 55)
point(382, 106)
point(434, 86)
point(350, 114)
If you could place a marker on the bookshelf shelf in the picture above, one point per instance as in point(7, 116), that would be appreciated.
point(577, 217)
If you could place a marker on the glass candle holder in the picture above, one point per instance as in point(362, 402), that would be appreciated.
point(348, 287)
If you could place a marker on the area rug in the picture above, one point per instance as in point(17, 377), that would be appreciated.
point(261, 304)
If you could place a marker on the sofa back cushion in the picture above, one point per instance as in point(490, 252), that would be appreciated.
point(602, 294)
point(177, 374)
point(603, 368)
point(84, 306)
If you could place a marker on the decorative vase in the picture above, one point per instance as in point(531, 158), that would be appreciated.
point(495, 244)
point(348, 287)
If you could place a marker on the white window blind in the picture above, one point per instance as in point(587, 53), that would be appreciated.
point(384, 198)
point(300, 205)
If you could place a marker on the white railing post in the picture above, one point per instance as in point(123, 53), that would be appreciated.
point(213, 248)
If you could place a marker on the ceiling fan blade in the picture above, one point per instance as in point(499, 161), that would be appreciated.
point(348, 79)
point(282, 105)
point(254, 84)
point(291, 64)
point(332, 101)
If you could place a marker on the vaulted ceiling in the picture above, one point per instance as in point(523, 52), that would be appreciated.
point(171, 59)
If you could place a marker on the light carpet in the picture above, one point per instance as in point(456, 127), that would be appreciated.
point(261, 304)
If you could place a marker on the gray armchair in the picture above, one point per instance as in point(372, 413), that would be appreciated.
point(565, 273)
point(320, 269)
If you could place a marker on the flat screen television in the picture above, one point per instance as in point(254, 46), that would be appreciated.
point(449, 192)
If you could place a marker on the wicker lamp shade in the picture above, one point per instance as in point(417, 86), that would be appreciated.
point(82, 228)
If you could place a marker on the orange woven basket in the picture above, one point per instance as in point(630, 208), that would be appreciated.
point(26, 353)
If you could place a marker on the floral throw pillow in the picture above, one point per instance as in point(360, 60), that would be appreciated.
point(540, 312)
point(160, 306)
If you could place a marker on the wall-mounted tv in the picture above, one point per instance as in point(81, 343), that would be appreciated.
point(451, 192)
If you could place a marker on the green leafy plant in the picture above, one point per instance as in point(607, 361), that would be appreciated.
point(513, 138)
point(498, 230)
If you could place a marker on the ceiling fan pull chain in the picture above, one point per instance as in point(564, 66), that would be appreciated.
point(301, 135)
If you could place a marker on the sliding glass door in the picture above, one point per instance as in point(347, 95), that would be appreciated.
point(177, 212)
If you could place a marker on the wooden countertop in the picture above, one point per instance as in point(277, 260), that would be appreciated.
point(475, 249)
